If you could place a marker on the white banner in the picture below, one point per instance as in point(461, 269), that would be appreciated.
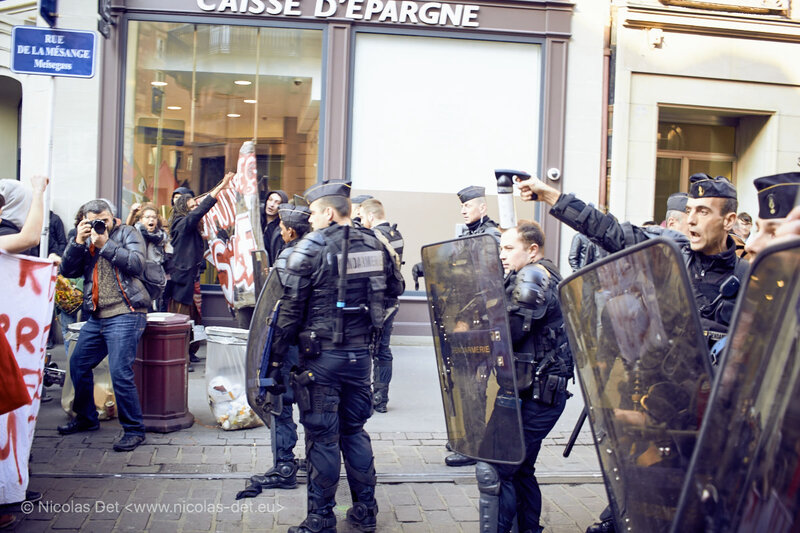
point(26, 310)
point(236, 212)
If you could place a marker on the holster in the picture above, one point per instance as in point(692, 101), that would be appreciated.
point(545, 388)
point(309, 344)
point(299, 380)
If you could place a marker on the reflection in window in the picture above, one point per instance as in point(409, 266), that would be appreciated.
point(196, 92)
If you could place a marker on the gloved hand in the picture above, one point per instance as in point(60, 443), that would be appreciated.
point(275, 374)
point(416, 273)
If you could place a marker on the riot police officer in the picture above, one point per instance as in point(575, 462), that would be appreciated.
point(543, 363)
point(473, 210)
point(373, 216)
point(293, 226)
point(337, 279)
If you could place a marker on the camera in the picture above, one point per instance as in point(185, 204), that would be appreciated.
point(99, 226)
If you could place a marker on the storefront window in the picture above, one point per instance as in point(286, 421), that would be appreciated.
point(195, 92)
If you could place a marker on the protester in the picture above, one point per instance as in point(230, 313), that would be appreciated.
point(273, 243)
point(21, 214)
point(111, 257)
point(188, 247)
point(146, 219)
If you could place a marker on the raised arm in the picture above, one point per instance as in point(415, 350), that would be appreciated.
point(31, 231)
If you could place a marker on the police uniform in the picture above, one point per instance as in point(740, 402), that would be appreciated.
point(483, 224)
point(283, 473)
point(543, 361)
point(382, 368)
point(332, 387)
point(707, 273)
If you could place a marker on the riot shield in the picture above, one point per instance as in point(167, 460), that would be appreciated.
point(260, 269)
point(466, 297)
point(645, 374)
point(745, 473)
point(257, 347)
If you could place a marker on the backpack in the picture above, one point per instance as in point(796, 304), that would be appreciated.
point(154, 279)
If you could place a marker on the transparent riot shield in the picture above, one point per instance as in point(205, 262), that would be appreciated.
point(260, 269)
point(258, 348)
point(644, 370)
point(745, 474)
point(466, 297)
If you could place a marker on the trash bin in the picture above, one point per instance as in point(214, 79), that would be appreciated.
point(160, 372)
point(103, 390)
point(226, 353)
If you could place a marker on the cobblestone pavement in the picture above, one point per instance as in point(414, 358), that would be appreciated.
point(186, 480)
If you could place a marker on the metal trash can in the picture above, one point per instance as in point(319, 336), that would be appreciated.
point(160, 372)
point(104, 398)
point(226, 353)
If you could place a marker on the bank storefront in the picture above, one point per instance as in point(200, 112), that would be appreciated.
point(412, 101)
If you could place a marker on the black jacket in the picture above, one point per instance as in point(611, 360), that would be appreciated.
point(125, 251)
point(484, 225)
point(311, 285)
point(187, 243)
point(273, 242)
point(706, 272)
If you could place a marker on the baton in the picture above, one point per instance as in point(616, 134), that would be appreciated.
point(575, 431)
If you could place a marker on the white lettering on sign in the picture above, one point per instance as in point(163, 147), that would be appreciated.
point(396, 11)
point(53, 51)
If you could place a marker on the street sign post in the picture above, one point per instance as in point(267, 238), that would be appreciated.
point(53, 52)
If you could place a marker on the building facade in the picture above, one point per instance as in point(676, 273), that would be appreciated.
point(413, 100)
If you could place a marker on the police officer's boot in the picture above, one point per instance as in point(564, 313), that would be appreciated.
point(489, 501)
point(457, 459)
point(606, 523)
point(380, 397)
point(382, 375)
point(363, 517)
point(282, 476)
point(315, 523)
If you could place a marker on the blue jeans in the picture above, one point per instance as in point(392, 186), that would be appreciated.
point(65, 320)
point(116, 336)
point(520, 495)
point(341, 404)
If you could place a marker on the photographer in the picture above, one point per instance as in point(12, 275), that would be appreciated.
point(110, 256)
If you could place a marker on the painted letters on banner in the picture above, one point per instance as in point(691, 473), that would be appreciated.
point(26, 309)
point(236, 212)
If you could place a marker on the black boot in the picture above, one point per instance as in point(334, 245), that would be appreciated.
point(315, 523)
point(457, 459)
point(282, 476)
point(604, 526)
point(362, 517)
point(380, 397)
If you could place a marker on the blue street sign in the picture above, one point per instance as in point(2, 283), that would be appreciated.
point(51, 52)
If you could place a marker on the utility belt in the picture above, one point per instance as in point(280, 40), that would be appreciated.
point(312, 345)
point(545, 389)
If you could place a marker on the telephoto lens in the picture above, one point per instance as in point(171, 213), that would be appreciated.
point(99, 226)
